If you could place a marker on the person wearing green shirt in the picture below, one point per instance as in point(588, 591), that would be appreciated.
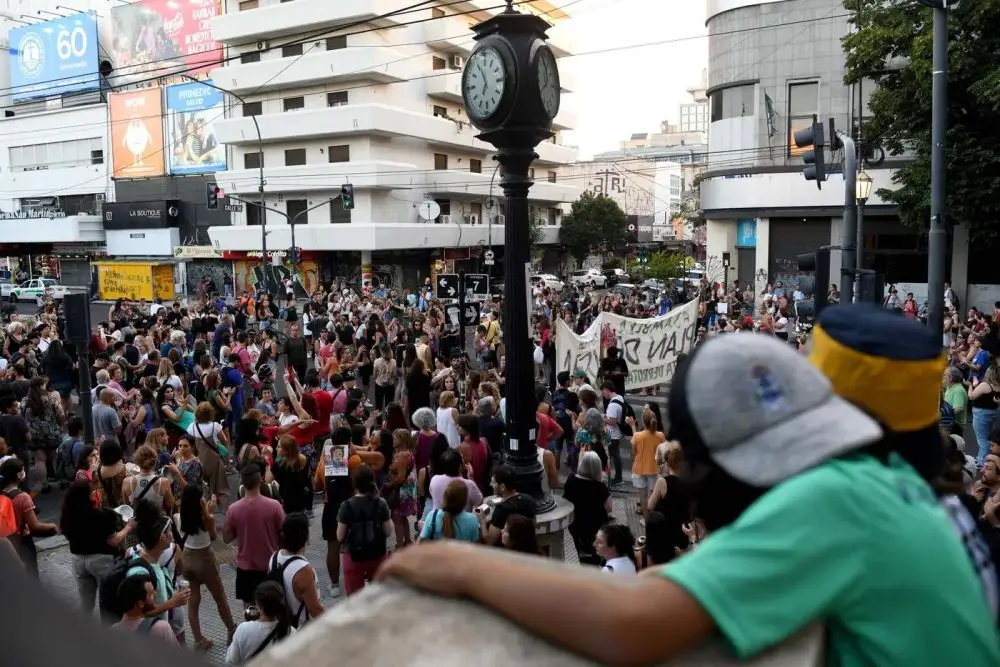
point(956, 395)
point(808, 520)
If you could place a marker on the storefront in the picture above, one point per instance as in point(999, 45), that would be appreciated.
point(251, 274)
point(144, 229)
point(199, 262)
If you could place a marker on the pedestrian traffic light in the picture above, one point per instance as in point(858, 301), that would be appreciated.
point(817, 263)
point(213, 196)
point(347, 196)
point(812, 137)
point(294, 255)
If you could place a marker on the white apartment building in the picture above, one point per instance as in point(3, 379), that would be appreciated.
point(379, 109)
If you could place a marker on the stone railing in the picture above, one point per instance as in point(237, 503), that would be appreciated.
point(393, 625)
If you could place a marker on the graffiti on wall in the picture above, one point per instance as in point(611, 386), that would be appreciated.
point(383, 276)
point(254, 275)
point(220, 271)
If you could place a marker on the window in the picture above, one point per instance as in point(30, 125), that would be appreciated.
point(675, 185)
point(248, 4)
point(445, 205)
point(337, 99)
point(803, 104)
point(294, 103)
point(253, 213)
point(339, 153)
point(253, 108)
point(295, 157)
point(338, 214)
point(336, 43)
point(476, 209)
point(438, 63)
point(552, 216)
point(296, 210)
point(476, 166)
point(440, 161)
point(732, 102)
point(250, 57)
point(57, 155)
point(437, 12)
point(552, 177)
point(440, 112)
point(253, 160)
point(290, 50)
point(97, 157)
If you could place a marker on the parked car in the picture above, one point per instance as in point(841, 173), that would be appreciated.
point(30, 290)
point(615, 276)
point(543, 280)
point(588, 278)
point(625, 289)
point(5, 287)
point(654, 284)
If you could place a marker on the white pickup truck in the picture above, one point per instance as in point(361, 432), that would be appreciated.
point(30, 290)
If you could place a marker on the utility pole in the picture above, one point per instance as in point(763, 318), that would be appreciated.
point(849, 225)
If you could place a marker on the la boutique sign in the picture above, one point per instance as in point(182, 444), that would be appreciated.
point(33, 214)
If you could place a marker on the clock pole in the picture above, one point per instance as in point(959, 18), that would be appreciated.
point(511, 91)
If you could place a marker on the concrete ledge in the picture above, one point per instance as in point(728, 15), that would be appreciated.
point(395, 625)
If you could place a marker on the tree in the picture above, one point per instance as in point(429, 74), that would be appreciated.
point(595, 221)
point(535, 230)
point(666, 266)
point(890, 31)
point(691, 206)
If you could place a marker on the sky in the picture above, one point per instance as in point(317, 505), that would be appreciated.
point(631, 90)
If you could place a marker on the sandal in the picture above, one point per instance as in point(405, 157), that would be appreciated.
point(203, 645)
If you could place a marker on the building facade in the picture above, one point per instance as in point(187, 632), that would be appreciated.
point(378, 109)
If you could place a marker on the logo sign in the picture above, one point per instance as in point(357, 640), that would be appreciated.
point(164, 36)
point(470, 315)
point(54, 57)
point(192, 109)
point(33, 214)
point(136, 133)
point(476, 285)
point(447, 286)
point(488, 258)
point(140, 215)
point(234, 208)
point(196, 252)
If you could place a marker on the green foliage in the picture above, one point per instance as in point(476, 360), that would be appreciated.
point(614, 263)
point(666, 266)
point(901, 104)
point(596, 221)
point(691, 207)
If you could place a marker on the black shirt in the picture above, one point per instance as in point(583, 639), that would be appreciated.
point(14, 430)
point(618, 364)
point(516, 504)
point(589, 513)
point(88, 534)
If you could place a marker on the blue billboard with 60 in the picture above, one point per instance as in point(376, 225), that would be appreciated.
point(54, 57)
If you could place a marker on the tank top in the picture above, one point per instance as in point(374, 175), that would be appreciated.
point(297, 609)
point(152, 496)
point(540, 451)
point(985, 402)
point(446, 426)
point(675, 506)
point(147, 423)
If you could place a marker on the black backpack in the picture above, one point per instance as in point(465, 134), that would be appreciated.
point(276, 573)
point(560, 401)
point(365, 539)
point(627, 411)
point(109, 599)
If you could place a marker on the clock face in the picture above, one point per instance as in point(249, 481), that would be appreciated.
point(483, 83)
point(548, 81)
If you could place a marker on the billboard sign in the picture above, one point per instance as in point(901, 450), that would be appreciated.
point(192, 109)
point(54, 57)
point(164, 36)
point(137, 133)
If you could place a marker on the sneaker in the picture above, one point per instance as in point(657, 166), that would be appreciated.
point(335, 591)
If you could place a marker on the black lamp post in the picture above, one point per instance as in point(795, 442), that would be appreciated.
point(511, 91)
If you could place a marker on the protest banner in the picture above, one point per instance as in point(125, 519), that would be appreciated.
point(650, 347)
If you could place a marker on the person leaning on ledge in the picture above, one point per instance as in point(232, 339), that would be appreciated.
point(805, 525)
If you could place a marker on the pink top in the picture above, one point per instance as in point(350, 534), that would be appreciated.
point(256, 523)
point(440, 482)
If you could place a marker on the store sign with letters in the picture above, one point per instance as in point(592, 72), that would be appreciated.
point(33, 214)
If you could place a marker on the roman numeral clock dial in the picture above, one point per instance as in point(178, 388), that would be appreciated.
point(483, 83)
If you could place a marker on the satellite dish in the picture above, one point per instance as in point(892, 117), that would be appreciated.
point(429, 210)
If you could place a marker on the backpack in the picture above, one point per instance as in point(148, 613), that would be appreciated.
point(947, 416)
point(109, 599)
point(365, 540)
point(8, 518)
point(65, 468)
point(276, 573)
point(560, 401)
point(627, 411)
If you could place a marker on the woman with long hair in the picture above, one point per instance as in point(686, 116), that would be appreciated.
point(644, 468)
point(44, 417)
point(982, 397)
point(670, 496)
point(58, 367)
point(519, 535)
point(94, 540)
point(291, 471)
point(177, 413)
point(453, 521)
point(400, 490)
point(149, 484)
point(590, 437)
point(209, 435)
point(274, 625)
point(195, 526)
point(364, 553)
point(418, 387)
point(147, 416)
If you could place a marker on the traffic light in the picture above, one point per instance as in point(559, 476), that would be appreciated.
point(213, 196)
point(813, 137)
point(347, 196)
point(817, 263)
point(293, 255)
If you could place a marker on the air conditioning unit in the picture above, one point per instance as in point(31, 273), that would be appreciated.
point(444, 219)
point(498, 219)
point(263, 45)
point(473, 219)
point(457, 62)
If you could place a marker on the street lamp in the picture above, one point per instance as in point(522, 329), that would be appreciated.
point(862, 191)
point(260, 162)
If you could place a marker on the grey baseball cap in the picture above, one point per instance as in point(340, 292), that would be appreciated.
point(761, 411)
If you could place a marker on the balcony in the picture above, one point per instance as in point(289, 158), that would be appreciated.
point(317, 177)
point(73, 229)
point(331, 67)
point(478, 185)
point(450, 35)
point(448, 87)
point(564, 120)
point(276, 18)
point(367, 119)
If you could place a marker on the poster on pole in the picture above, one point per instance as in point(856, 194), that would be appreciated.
point(650, 346)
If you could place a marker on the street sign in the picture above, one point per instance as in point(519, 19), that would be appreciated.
point(488, 258)
point(447, 286)
point(725, 260)
point(476, 286)
point(453, 314)
point(234, 208)
point(470, 316)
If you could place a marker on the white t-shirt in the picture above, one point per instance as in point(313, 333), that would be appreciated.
point(199, 540)
point(780, 324)
point(209, 433)
point(620, 565)
point(247, 638)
